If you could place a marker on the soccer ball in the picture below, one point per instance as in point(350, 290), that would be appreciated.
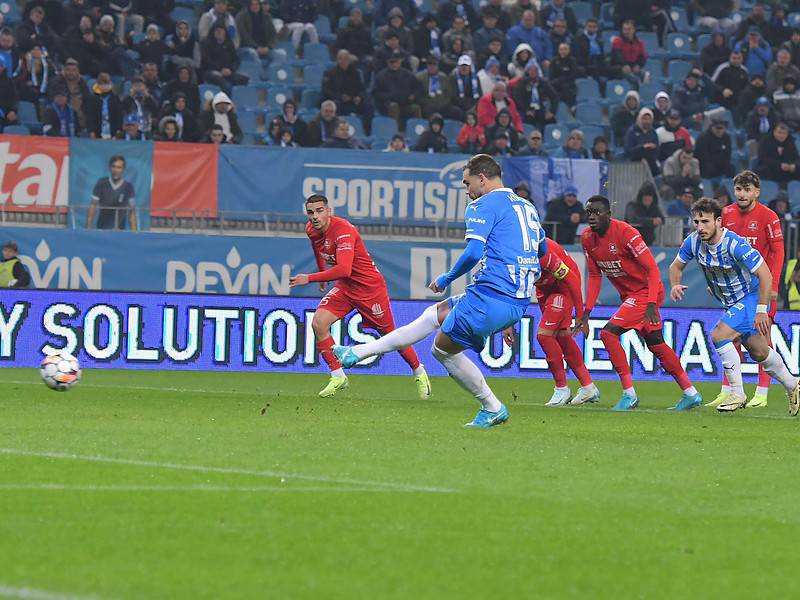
point(60, 371)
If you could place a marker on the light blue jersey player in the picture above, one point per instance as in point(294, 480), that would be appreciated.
point(740, 279)
point(504, 237)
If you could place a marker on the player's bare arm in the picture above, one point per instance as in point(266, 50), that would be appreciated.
point(762, 321)
point(677, 289)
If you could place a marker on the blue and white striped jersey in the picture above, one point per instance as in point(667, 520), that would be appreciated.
point(729, 265)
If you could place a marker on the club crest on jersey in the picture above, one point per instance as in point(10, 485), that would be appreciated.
point(377, 310)
point(612, 247)
point(753, 225)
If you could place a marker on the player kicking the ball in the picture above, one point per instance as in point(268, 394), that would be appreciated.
point(615, 248)
point(359, 286)
point(505, 237)
point(740, 279)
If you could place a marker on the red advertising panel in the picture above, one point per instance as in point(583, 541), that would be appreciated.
point(34, 173)
point(184, 180)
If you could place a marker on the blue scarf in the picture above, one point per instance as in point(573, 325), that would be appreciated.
point(435, 49)
point(105, 119)
point(462, 84)
point(594, 44)
point(35, 78)
point(535, 100)
point(557, 13)
point(763, 125)
point(434, 86)
point(66, 119)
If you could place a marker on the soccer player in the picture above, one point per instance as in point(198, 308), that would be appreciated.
point(740, 279)
point(503, 235)
point(558, 292)
point(359, 286)
point(761, 227)
point(615, 248)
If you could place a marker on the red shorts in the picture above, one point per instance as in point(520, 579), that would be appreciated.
point(556, 312)
point(631, 314)
point(375, 310)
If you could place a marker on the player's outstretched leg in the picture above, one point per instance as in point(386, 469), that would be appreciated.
point(774, 365)
point(555, 362)
point(588, 391)
point(670, 362)
point(619, 360)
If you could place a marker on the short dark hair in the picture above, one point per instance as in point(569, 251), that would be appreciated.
point(600, 199)
point(706, 206)
point(747, 178)
point(115, 158)
point(12, 245)
point(317, 198)
point(483, 164)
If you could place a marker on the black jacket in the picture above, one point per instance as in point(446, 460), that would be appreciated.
point(771, 154)
point(216, 56)
point(337, 82)
point(558, 212)
point(563, 73)
point(356, 40)
point(190, 131)
point(641, 217)
point(94, 114)
point(753, 123)
point(714, 154)
point(9, 99)
point(396, 86)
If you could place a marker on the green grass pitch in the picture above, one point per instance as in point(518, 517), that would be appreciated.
point(231, 486)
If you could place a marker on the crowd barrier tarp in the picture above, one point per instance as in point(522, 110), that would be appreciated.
point(184, 179)
point(187, 263)
point(34, 173)
point(273, 334)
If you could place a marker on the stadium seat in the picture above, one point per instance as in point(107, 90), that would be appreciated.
point(323, 26)
point(282, 74)
point(247, 121)
point(414, 128)
point(184, 13)
point(451, 129)
point(246, 97)
point(794, 19)
point(312, 75)
point(8, 9)
point(769, 189)
point(16, 130)
point(607, 15)
point(588, 90)
point(383, 127)
point(253, 71)
point(277, 95)
point(563, 114)
point(616, 90)
point(648, 91)
point(655, 66)
point(356, 127)
point(379, 144)
point(677, 70)
point(310, 99)
point(26, 112)
point(207, 92)
point(608, 36)
point(681, 19)
point(590, 113)
point(794, 196)
point(316, 53)
point(650, 40)
point(679, 45)
point(582, 10)
point(703, 40)
point(555, 135)
point(592, 131)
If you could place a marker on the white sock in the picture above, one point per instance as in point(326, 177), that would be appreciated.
point(589, 388)
point(690, 391)
point(337, 373)
point(468, 376)
point(775, 366)
point(417, 330)
point(764, 391)
point(726, 389)
point(561, 389)
point(630, 391)
point(732, 363)
point(419, 370)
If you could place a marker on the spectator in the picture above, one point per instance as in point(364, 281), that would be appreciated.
point(293, 123)
point(168, 130)
point(118, 61)
point(523, 54)
point(397, 91)
point(274, 131)
point(732, 79)
point(641, 141)
point(628, 54)
point(503, 13)
point(600, 149)
point(220, 111)
point(184, 84)
point(535, 97)
point(517, 9)
point(58, 119)
point(75, 11)
point(81, 44)
point(714, 54)
point(140, 103)
point(661, 108)
point(761, 120)
point(526, 32)
point(503, 124)
point(156, 11)
point(689, 100)
point(178, 107)
point(481, 37)
point(132, 129)
point(122, 10)
point(644, 213)
point(787, 102)
point(494, 49)
point(523, 190)
point(471, 138)
point(184, 47)
point(437, 95)
point(564, 70)
point(344, 85)
point(753, 92)
point(499, 144)
point(114, 197)
point(682, 205)
point(151, 80)
point(220, 59)
point(33, 75)
point(755, 21)
point(778, 159)
point(299, 17)
point(320, 128)
point(793, 46)
point(713, 150)
point(216, 135)
point(558, 9)
point(218, 14)
point(672, 136)
point(490, 74)
point(757, 53)
point(778, 29)
point(34, 31)
point(432, 139)
point(450, 9)
point(624, 116)
point(427, 38)
point(781, 69)
point(396, 144)
point(535, 146)
point(397, 26)
point(681, 169)
point(9, 53)
point(104, 110)
point(464, 82)
point(722, 196)
point(563, 216)
point(13, 273)
point(780, 206)
point(9, 99)
point(589, 50)
point(459, 29)
point(355, 37)
point(382, 9)
point(714, 14)
point(453, 50)
point(287, 139)
point(152, 48)
point(257, 35)
point(632, 10)
point(490, 104)
point(343, 138)
point(559, 34)
point(575, 147)
point(391, 47)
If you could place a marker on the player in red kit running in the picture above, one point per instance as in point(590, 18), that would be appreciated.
point(615, 248)
point(558, 292)
point(761, 227)
point(359, 286)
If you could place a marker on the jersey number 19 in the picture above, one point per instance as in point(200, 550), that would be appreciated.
point(523, 276)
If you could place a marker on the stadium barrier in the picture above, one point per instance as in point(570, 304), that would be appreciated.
point(261, 334)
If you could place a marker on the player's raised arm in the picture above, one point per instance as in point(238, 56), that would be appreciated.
point(468, 259)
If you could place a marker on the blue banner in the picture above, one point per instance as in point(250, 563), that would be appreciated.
point(89, 162)
point(185, 263)
point(247, 333)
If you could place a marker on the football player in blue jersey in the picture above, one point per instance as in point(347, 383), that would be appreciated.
point(739, 277)
point(505, 237)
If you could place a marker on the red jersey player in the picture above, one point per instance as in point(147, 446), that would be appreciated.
point(359, 286)
point(761, 227)
point(558, 292)
point(615, 248)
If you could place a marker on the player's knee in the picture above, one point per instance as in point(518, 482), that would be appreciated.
point(654, 338)
point(440, 355)
point(321, 328)
point(608, 336)
point(758, 353)
point(611, 329)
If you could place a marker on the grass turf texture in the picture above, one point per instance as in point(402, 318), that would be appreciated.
point(565, 502)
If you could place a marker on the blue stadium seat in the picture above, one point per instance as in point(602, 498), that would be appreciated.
point(247, 121)
point(703, 40)
point(451, 129)
point(16, 130)
point(253, 70)
point(282, 74)
point(383, 127)
point(207, 92)
point(270, 114)
point(563, 114)
point(343, 22)
point(277, 95)
point(246, 97)
point(323, 26)
point(650, 40)
point(26, 112)
point(607, 14)
point(648, 91)
point(582, 10)
point(590, 113)
point(555, 135)
point(794, 196)
point(288, 47)
point(769, 189)
point(357, 128)
point(414, 127)
point(679, 45)
point(616, 90)
point(184, 13)
point(310, 99)
point(588, 90)
point(677, 70)
point(681, 19)
point(312, 75)
point(592, 131)
point(316, 53)
point(608, 35)
point(8, 8)
point(379, 144)
point(794, 19)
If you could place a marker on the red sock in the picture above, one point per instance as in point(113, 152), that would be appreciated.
point(738, 345)
point(671, 364)
point(554, 358)
point(325, 348)
point(618, 358)
point(764, 378)
point(410, 356)
point(574, 357)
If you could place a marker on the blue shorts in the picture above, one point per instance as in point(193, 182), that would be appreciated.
point(476, 315)
point(741, 316)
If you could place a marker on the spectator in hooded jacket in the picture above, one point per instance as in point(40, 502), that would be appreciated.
point(427, 38)
point(257, 33)
point(661, 107)
point(397, 26)
point(184, 47)
point(355, 37)
point(481, 37)
point(747, 99)
point(220, 59)
point(471, 138)
point(523, 54)
point(564, 70)
point(575, 147)
point(450, 9)
point(104, 110)
point(152, 49)
point(220, 111)
point(465, 85)
point(628, 54)
point(778, 158)
point(177, 107)
point(291, 122)
point(168, 130)
point(344, 84)
point(761, 120)
point(732, 79)
point(680, 170)
point(382, 8)
point(778, 28)
point(219, 13)
point(787, 102)
point(624, 116)
point(490, 74)
point(397, 91)
point(600, 149)
point(492, 103)
point(713, 150)
point(526, 32)
point(396, 144)
point(644, 213)
point(563, 216)
point(504, 125)
point(757, 53)
point(184, 83)
point(672, 136)
point(641, 141)
point(437, 95)
point(432, 139)
point(299, 17)
point(589, 49)
point(715, 53)
point(535, 97)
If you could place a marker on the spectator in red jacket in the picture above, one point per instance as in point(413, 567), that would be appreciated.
point(628, 54)
point(471, 138)
point(491, 103)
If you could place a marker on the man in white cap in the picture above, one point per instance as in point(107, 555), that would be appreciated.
point(464, 82)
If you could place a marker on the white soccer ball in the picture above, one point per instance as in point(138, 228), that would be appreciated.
point(60, 371)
